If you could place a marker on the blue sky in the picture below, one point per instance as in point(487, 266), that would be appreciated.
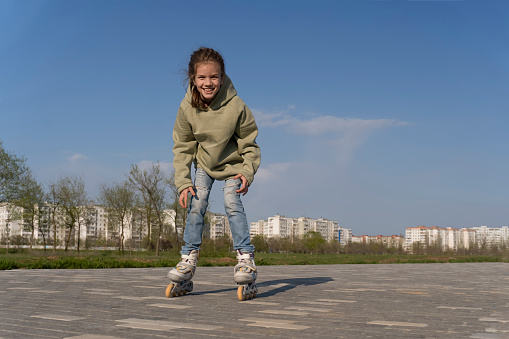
point(381, 115)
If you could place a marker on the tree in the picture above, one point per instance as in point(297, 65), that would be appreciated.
point(53, 209)
point(146, 208)
point(313, 241)
point(30, 198)
point(151, 184)
point(119, 200)
point(260, 243)
point(180, 213)
point(72, 198)
point(13, 170)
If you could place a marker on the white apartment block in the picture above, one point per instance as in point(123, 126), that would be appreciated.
point(256, 228)
point(10, 224)
point(489, 236)
point(95, 224)
point(281, 226)
point(219, 226)
point(135, 224)
point(466, 238)
point(453, 239)
point(345, 236)
point(389, 240)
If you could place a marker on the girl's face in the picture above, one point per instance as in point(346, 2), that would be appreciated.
point(208, 80)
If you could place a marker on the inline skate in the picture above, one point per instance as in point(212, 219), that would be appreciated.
point(245, 276)
point(181, 275)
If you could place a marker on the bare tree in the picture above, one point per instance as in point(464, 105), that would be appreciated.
point(180, 213)
point(138, 218)
point(30, 198)
point(119, 199)
point(72, 198)
point(147, 209)
point(53, 208)
point(151, 184)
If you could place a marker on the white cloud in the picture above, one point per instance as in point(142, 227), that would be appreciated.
point(342, 136)
point(323, 124)
point(271, 171)
point(330, 124)
point(77, 157)
point(273, 119)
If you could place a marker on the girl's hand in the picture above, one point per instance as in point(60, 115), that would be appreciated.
point(244, 187)
point(183, 196)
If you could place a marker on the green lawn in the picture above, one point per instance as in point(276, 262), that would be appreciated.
point(113, 259)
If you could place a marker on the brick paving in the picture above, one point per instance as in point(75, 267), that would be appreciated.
point(469, 300)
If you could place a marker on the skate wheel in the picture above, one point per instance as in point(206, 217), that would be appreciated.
point(184, 292)
point(240, 293)
point(254, 294)
point(168, 292)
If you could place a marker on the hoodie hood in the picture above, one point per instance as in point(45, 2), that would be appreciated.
point(225, 94)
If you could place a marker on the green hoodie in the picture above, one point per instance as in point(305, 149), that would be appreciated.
point(220, 140)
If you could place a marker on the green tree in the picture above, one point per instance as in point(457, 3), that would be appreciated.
point(13, 170)
point(260, 243)
point(313, 241)
point(30, 198)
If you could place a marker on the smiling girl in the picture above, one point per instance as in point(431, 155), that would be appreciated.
point(217, 132)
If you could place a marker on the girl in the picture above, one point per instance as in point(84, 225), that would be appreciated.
point(217, 132)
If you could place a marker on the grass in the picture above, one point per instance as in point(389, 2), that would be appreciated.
point(113, 259)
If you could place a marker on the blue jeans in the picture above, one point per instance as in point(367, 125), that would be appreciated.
point(234, 210)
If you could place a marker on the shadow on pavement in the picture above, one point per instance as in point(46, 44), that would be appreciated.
point(288, 284)
point(282, 285)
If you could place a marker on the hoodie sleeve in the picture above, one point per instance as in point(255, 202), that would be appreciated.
point(247, 131)
point(184, 151)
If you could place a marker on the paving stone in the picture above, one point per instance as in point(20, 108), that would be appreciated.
point(468, 300)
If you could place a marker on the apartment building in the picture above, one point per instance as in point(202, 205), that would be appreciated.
point(280, 226)
point(489, 236)
point(219, 226)
point(390, 241)
point(345, 236)
point(95, 224)
point(426, 236)
point(284, 227)
point(10, 224)
point(256, 228)
point(452, 239)
point(466, 238)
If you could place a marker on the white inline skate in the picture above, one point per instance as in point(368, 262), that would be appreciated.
point(181, 275)
point(245, 276)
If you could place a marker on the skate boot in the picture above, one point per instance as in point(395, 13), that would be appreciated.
point(245, 276)
point(181, 275)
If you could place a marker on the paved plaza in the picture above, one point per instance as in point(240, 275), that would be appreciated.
point(468, 300)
